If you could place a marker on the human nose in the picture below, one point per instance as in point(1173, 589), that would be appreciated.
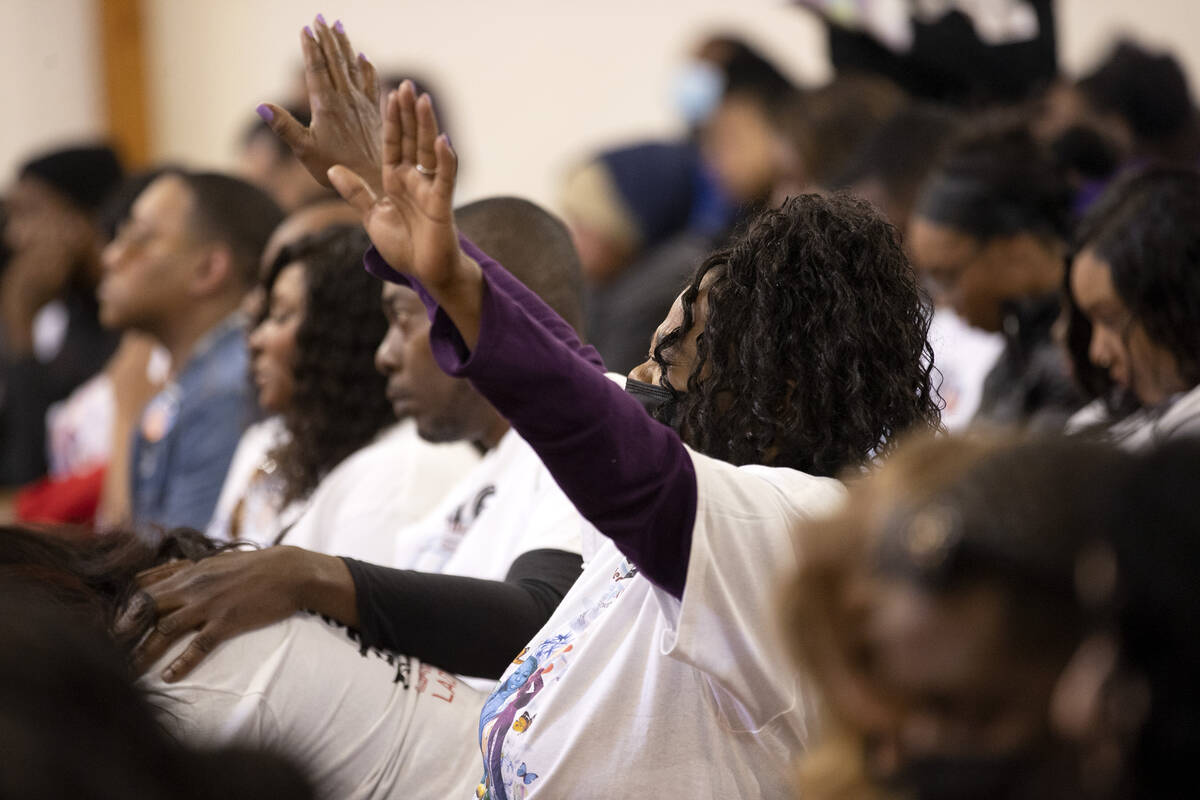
point(1100, 350)
point(387, 355)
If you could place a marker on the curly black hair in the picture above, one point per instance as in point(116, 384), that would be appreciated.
point(815, 354)
point(339, 404)
point(1144, 229)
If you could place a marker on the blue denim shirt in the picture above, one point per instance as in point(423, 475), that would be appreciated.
point(188, 433)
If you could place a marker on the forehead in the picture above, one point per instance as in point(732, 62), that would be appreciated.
point(165, 201)
point(397, 296)
point(30, 191)
point(934, 245)
point(1091, 280)
point(289, 283)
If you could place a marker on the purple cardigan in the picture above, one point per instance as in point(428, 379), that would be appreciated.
point(629, 475)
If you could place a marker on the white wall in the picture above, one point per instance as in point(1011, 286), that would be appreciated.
point(49, 58)
point(529, 85)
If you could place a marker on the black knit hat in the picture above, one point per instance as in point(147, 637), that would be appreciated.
point(85, 175)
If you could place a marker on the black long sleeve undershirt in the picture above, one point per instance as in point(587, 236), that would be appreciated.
point(463, 625)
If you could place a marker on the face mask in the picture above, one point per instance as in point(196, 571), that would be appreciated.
point(660, 402)
point(697, 91)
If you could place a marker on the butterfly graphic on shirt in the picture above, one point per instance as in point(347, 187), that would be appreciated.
point(504, 711)
point(525, 775)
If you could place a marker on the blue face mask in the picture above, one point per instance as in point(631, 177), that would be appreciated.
point(697, 91)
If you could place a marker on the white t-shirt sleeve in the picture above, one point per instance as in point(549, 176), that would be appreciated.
point(743, 550)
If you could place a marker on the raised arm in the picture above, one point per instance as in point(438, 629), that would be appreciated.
point(629, 475)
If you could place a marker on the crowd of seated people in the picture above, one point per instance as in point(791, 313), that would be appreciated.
point(843, 448)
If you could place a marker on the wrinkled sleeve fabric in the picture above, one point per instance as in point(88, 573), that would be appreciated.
point(629, 475)
point(452, 621)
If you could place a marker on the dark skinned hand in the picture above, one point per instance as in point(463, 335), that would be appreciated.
point(228, 594)
point(411, 221)
point(343, 93)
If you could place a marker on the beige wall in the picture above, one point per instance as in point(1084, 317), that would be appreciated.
point(529, 85)
point(49, 94)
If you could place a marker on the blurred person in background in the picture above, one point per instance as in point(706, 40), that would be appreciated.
point(336, 472)
point(818, 132)
point(1128, 699)
point(990, 231)
point(87, 433)
point(363, 723)
point(630, 212)
point(62, 681)
point(178, 270)
point(1134, 316)
point(50, 338)
point(888, 170)
point(736, 136)
point(966, 53)
point(1133, 110)
point(1137, 99)
point(937, 611)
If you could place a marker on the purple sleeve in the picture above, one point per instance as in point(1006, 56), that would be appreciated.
point(501, 279)
point(629, 475)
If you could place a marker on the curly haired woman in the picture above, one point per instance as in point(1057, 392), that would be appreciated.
point(801, 347)
point(313, 353)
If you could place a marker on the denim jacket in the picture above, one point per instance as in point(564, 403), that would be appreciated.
point(189, 431)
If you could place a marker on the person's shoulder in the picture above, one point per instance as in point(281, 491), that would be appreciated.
point(760, 490)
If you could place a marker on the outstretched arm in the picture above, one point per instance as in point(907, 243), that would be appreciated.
point(629, 475)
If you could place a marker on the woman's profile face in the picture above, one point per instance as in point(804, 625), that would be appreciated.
point(1119, 343)
point(273, 342)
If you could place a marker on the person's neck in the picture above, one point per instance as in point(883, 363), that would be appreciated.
point(185, 331)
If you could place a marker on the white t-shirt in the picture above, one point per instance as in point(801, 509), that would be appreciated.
point(362, 725)
point(964, 356)
point(79, 429)
point(508, 505)
point(363, 505)
point(248, 507)
point(628, 692)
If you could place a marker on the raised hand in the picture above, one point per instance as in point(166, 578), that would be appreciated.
point(411, 222)
point(343, 93)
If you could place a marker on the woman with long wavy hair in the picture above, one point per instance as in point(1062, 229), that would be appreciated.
point(313, 351)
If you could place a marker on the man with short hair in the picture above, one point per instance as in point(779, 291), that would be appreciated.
point(178, 270)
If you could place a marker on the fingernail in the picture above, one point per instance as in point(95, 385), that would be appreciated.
point(449, 144)
point(169, 674)
point(265, 112)
point(321, 18)
point(362, 57)
point(310, 33)
point(337, 26)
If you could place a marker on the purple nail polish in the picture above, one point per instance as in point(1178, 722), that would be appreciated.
point(337, 26)
point(321, 18)
point(265, 112)
point(362, 57)
point(310, 33)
